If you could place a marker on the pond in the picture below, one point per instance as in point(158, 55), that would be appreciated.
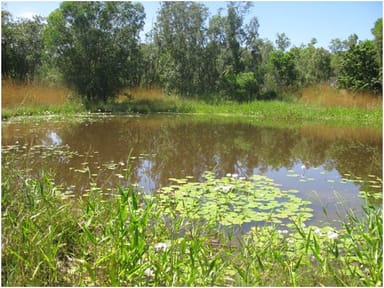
point(327, 166)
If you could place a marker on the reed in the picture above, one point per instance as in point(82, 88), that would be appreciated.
point(127, 239)
point(18, 94)
point(318, 104)
point(328, 96)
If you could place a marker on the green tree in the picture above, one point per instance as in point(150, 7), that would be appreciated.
point(22, 46)
point(336, 46)
point(377, 32)
point(180, 38)
point(235, 34)
point(359, 69)
point(312, 64)
point(282, 41)
point(281, 71)
point(95, 46)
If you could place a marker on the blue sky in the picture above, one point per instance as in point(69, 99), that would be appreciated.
point(299, 20)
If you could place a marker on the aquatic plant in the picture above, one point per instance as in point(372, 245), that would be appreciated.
point(233, 200)
point(122, 237)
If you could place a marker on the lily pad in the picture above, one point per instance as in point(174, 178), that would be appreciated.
point(232, 200)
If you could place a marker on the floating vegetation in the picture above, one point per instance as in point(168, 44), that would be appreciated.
point(233, 200)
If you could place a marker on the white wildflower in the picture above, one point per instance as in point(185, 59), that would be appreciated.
point(332, 235)
point(318, 232)
point(161, 246)
point(149, 272)
point(228, 175)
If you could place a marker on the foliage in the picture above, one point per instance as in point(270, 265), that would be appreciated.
point(128, 238)
point(179, 35)
point(377, 32)
point(21, 46)
point(282, 41)
point(313, 65)
point(359, 69)
point(232, 200)
point(95, 46)
point(282, 70)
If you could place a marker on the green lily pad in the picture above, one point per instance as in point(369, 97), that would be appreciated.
point(231, 201)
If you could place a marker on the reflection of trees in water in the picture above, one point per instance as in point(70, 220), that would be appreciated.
point(184, 147)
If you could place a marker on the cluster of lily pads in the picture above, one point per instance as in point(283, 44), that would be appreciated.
point(232, 200)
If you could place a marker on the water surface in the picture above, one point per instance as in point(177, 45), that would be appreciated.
point(160, 147)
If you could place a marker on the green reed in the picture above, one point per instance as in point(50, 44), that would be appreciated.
point(128, 239)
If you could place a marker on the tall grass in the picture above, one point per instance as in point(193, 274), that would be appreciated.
point(317, 105)
point(25, 99)
point(18, 94)
point(325, 95)
point(125, 239)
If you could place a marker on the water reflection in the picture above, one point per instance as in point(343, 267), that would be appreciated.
point(179, 146)
point(51, 139)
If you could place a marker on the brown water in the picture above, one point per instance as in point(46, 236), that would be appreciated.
point(164, 146)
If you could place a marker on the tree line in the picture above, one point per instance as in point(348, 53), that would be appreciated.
point(95, 48)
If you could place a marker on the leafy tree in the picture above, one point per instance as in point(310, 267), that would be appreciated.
point(377, 32)
point(281, 70)
point(180, 37)
point(351, 41)
point(238, 52)
point(359, 69)
point(337, 46)
point(22, 46)
point(312, 64)
point(6, 18)
point(235, 34)
point(282, 41)
point(95, 46)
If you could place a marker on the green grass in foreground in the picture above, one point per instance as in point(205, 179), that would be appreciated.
point(50, 239)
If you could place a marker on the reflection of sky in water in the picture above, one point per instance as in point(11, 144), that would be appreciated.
point(323, 187)
point(52, 139)
point(144, 174)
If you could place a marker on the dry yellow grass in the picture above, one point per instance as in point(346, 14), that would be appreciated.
point(326, 95)
point(13, 94)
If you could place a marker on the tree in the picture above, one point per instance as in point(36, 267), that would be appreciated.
point(180, 38)
point(377, 31)
point(281, 70)
point(22, 46)
point(351, 41)
point(336, 46)
point(282, 41)
point(312, 64)
point(95, 46)
point(359, 69)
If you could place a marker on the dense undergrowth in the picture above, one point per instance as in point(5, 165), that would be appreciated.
point(131, 239)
